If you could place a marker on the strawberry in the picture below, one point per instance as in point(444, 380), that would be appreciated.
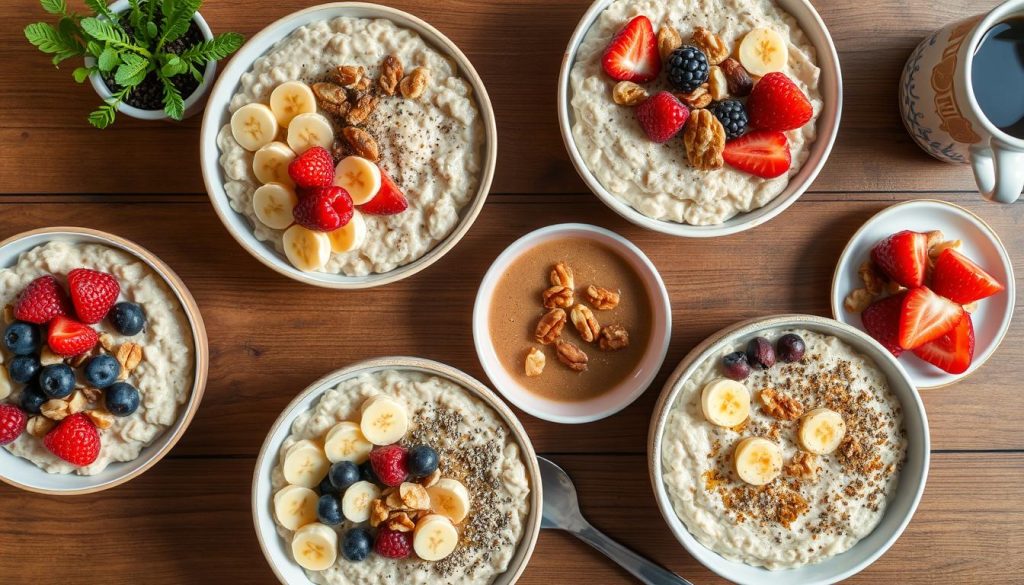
point(93, 293)
point(69, 338)
point(393, 544)
point(662, 116)
point(40, 301)
point(75, 440)
point(390, 464)
point(313, 168)
point(12, 423)
point(762, 153)
point(926, 316)
point(323, 209)
point(952, 352)
point(960, 280)
point(882, 321)
point(776, 103)
point(389, 199)
point(632, 54)
point(903, 257)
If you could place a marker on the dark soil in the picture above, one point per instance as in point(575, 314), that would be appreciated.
point(149, 95)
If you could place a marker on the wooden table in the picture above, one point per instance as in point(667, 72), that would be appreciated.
point(188, 521)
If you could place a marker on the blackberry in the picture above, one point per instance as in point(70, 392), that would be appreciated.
point(732, 115)
point(687, 68)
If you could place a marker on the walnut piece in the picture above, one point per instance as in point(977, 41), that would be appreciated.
point(535, 361)
point(362, 109)
point(550, 326)
point(718, 87)
point(873, 280)
point(696, 99)
point(331, 98)
point(561, 275)
point(91, 394)
point(38, 426)
point(8, 313)
point(390, 74)
point(738, 80)
point(713, 46)
point(627, 93)
point(572, 356)
point(704, 139)
point(601, 298)
point(431, 480)
point(414, 84)
point(102, 420)
point(48, 358)
point(129, 355)
point(400, 522)
point(613, 338)
point(858, 300)
point(378, 512)
point(668, 41)
point(780, 406)
point(361, 143)
point(585, 322)
point(803, 465)
point(348, 75)
point(934, 238)
point(55, 409)
point(107, 341)
point(414, 496)
point(557, 297)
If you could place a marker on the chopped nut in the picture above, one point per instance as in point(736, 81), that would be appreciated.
point(348, 75)
point(704, 138)
point(414, 84)
point(107, 341)
point(431, 480)
point(934, 238)
point(129, 355)
point(414, 496)
point(858, 300)
point(585, 322)
point(934, 251)
point(696, 99)
point(737, 78)
point(791, 508)
point(8, 313)
point(873, 281)
point(715, 49)
point(780, 406)
point(361, 143)
point(718, 87)
point(550, 326)
point(601, 298)
point(627, 93)
point(390, 74)
point(55, 409)
point(362, 109)
point(668, 41)
point(561, 275)
point(740, 427)
point(378, 512)
point(48, 358)
point(91, 394)
point(38, 426)
point(393, 499)
point(400, 522)
point(332, 98)
point(363, 84)
point(613, 338)
point(536, 360)
point(557, 296)
point(572, 356)
point(77, 403)
point(102, 420)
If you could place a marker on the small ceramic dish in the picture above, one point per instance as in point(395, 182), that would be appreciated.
point(277, 551)
point(217, 115)
point(901, 506)
point(26, 475)
point(612, 400)
point(980, 244)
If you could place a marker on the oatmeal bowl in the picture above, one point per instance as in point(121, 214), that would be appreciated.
point(104, 358)
point(397, 470)
point(348, 145)
point(791, 448)
point(699, 119)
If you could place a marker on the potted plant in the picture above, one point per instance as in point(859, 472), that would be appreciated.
point(149, 59)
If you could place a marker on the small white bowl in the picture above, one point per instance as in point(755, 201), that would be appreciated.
point(909, 488)
point(980, 244)
point(25, 474)
point(828, 126)
point(217, 116)
point(616, 398)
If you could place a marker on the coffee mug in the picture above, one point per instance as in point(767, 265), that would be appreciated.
point(940, 107)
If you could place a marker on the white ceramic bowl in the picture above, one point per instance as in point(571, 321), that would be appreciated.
point(616, 398)
point(900, 509)
point(277, 551)
point(828, 125)
point(25, 474)
point(217, 116)
point(980, 244)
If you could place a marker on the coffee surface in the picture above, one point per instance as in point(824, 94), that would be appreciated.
point(998, 76)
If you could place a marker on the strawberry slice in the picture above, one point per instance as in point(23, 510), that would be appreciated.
point(960, 280)
point(952, 352)
point(69, 338)
point(762, 153)
point(926, 316)
point(903, 257)
point(632, 54)
point(776, 103)
point(882, 321)
point(389, 199)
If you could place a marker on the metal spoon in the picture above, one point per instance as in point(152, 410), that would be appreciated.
point(562, 511)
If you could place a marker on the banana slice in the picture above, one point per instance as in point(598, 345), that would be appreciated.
point(349, 236)
point(821, 431)
point(449, 498)
point(295, 506)
point(359, 176)
point(757, 460)
point(253, 126)
point(306, 250)
point(290, 99)
point(305, 464)
point(355, 504)
point(315, 546)
point(308, 130)
point(270, 163)
point(274, 203)
point(763, 50)
point(345, 442)
point(434, 538)
point(725, 403)
point(384, 420)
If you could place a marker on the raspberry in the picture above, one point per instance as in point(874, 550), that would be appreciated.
point(93, 293)
point(313, 168)
point(662, 116)
point(392, 544)
point(390, 464)
point(74, 440)
point(323, 209)
point(41, 301)
point(12, 423)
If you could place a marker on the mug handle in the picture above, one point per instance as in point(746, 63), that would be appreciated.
point(998, 171)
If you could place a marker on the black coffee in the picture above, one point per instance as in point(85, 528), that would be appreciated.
point(998, 76)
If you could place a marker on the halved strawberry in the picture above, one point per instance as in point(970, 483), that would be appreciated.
point(69, 338)
point(926, 316)
point(389, 199)
point(632, 54)
point(952, 352)
point(776, 103)
point(903, 257)
point(882, 321)
point(762, 153)
point(960, 280)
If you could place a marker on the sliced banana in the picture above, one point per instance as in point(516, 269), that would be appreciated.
point(763, 50)
point(305, 464)
point(290, 99)
point(270, 163)
point(449, 498)
point(273, 204)
point(355, 503)
point(349, 236)
point(305, 249)
point(434, 538)
point(821, 431)
point(295, 506)
point(384, 420)
point(757, 460)
point(345, 442)
point(725, 403)
point(359, 176)
point(308, 130)
point(315, 546)
point(253, 126)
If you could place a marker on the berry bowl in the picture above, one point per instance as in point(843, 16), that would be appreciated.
point(154, 340)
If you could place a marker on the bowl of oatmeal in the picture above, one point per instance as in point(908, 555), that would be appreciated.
point(127, 367)
point(793, 447)
point(397, 469)
point(388, 101)
point(678, 183)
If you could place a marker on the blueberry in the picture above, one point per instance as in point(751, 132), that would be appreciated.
point(122, 399)
point(760, 353)
point(24, 368)
point(366, 473)
point(790, 347)
point(328, 510)
point(57, 380)
point(735, 366)
point(326, 487)
point(357, 544)
point(32, 399)
point(343, 474)
point(422, 461)
point(127, 318)
point(22, 338)
point(102, 371)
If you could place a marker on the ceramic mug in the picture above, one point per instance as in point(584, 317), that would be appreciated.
point(941, 112)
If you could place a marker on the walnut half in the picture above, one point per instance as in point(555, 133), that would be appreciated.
point(585, 322)
point(704, 138)
point(561, 275)
point(601, 298)
point(803, 465)
point(715, 49)
point(613, 338)
point(780, 406)
point(390, 74)
point(535, 362)
point(557, 297)
point(572, 356)
point(550, 326)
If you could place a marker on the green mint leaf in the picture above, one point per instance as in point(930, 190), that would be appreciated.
point(132, 70)
point(174, 105)
point(54, 6)
point(81, 73)
point(108, 60)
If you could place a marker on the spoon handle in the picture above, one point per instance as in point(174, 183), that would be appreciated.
point(643, 569)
